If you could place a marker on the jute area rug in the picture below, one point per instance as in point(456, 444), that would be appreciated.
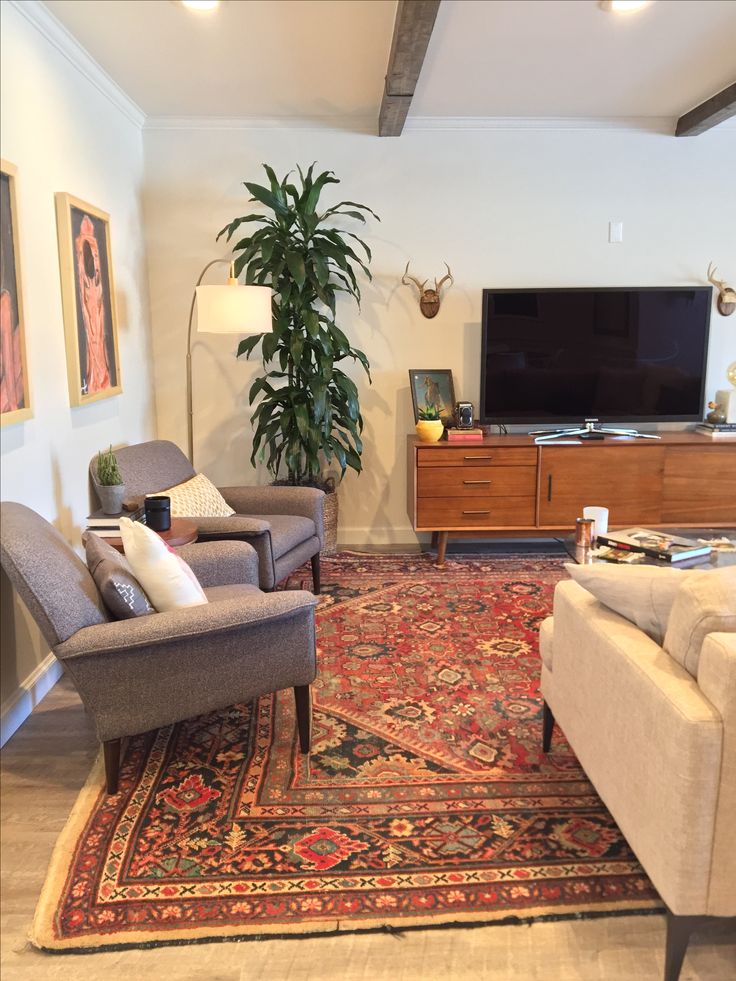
point(426, 799)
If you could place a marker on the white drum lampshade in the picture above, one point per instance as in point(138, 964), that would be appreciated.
point(233, 309)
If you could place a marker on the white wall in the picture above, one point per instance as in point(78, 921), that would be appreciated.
point(64, 134)
point(505, 208)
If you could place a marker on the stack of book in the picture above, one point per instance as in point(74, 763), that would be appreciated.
point(464, 435)
point(108, 525)
point(717, 430)
point(655, 544)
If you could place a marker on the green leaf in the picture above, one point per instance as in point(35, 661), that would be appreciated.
point(265, 196)
point(247, 344)
point(295, 262)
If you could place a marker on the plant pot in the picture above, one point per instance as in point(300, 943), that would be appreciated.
point(111, 497)
point(330, 519)
point(430, 430)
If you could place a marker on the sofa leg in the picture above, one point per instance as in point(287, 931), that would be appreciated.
point(111, 748)
point(316, 574)
point(548, 722)
point(303, 715)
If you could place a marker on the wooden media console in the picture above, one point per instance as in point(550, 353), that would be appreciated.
point(508, 486)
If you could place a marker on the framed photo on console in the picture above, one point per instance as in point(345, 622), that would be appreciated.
point(433, 387)
point(15, 398)
point(88, 300)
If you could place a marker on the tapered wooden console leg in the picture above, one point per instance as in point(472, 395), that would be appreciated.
point(303, 715)
point(316, 574)
point(111, 748)
point(442, 547)
point(548, 722)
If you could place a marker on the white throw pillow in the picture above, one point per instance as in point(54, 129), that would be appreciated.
point(643, 594)
point(167, 579)
point(196, 498)
point(705, 604)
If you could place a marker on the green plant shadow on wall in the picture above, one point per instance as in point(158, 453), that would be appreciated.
point(308, 412)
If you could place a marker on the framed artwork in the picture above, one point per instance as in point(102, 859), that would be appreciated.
point(15, 397)
point(433, 387)
point(88, 300)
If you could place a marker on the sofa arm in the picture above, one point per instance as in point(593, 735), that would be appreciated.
point(308, 502)
point(717, 680)
point(200, 623)
point(222, 563)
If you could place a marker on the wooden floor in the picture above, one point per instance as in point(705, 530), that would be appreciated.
point(43, 768)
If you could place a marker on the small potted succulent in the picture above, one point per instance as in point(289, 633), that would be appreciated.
point(430, 427)
point(110, 486)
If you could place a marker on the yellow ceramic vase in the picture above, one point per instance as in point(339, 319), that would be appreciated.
point(430, 430)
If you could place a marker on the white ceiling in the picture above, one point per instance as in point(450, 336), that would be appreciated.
point(487, 58)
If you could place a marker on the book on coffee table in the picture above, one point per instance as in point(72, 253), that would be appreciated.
point(656, 544)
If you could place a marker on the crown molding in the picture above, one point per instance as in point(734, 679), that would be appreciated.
point(353, 124)
point(37, 14)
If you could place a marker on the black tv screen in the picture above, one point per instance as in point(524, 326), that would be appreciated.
point(565, 355)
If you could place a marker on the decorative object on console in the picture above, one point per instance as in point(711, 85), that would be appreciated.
point(15, 398)
point(724, 430)
point(311, 415)
point(726, 299)
point(228, 309)
point(429, 299)
point(88, 301)
point(429, 427)
point(464, 415)
point(110, 487)
point(717, 414)
point(432, 388)
point(464, 435)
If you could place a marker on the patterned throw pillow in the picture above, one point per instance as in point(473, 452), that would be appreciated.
point(196, 498)
point(121, 592)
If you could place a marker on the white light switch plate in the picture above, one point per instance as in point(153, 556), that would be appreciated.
point(615, 231)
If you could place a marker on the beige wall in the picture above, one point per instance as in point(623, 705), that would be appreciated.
point(504, 207)
point(64, 134)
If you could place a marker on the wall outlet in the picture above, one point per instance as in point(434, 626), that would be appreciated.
point(615, 231)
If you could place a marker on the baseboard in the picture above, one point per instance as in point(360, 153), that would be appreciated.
point(15, 710)
point(356, 535)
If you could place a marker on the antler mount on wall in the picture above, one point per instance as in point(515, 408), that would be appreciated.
point(429, 299)
point(726, 299)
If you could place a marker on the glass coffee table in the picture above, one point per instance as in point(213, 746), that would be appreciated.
point(717, 559)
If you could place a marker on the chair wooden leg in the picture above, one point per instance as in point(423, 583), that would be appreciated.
point(316, 574)
point(111, 749)
point(548, 721)
point(303, 715)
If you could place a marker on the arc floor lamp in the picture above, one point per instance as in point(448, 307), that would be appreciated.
point(224, 309)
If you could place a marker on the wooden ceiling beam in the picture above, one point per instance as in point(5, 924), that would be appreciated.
point(709, 113)
point(412, 31)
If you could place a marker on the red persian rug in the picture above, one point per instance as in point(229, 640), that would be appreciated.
point(426, 798)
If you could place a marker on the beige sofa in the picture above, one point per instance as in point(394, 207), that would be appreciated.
point(658, 742)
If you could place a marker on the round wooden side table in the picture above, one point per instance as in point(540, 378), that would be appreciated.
point(183, 531)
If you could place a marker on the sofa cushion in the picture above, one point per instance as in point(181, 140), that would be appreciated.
point(165, 576)
point(197, 498)
point(121, 592)
point(643, 594)
point(705, 603)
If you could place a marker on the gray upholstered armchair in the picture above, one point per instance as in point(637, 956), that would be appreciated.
point(137, 675)
point(283, 524)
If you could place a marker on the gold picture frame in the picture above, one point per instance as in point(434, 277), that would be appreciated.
point(88, 301)
point(15, 390)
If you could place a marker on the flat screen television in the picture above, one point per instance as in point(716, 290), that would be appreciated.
point(565, 355)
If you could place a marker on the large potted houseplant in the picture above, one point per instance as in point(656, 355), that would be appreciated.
point(307, 419)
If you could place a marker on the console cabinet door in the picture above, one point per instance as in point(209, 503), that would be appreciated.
point(700, 485)
point(626, 479)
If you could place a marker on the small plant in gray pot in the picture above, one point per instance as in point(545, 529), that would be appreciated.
point(110, 486)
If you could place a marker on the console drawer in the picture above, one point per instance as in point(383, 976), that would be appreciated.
point(477, 456)
point(479, 512)
point(471, 482)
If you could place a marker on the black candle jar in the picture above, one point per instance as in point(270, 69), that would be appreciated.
point(158, 513)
